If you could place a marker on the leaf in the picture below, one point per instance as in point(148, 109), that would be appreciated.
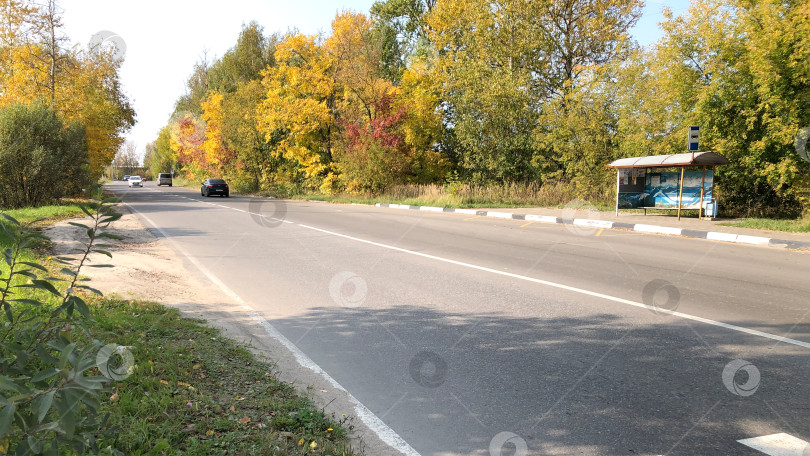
point(8, 384)
point(43, 285)
point(30, 302)
point(6, 418)
point(44, 375)
point(10, 219)
point(103, 252)
point(28, 274)
point(43, 405)
point(81, 306)
point(9, 314)
point(110, 236)
point(79, 225)
point(34, 265)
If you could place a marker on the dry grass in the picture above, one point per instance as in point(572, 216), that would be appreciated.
point(468, 196)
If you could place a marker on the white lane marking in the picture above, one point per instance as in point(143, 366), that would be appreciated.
point(657, 229)
point(385, 433)
point(778, 445)
point(570, 288)
point(235, 209)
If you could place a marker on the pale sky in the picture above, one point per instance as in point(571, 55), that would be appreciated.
point(165, 38)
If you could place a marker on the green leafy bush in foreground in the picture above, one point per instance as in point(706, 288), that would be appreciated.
point(52, 371)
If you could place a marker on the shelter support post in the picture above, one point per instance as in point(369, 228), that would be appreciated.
point(702, 186)
point(680, 193)
point(618, 173)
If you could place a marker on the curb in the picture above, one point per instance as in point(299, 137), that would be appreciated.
point(642, 228)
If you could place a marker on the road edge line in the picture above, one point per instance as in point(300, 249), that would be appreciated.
point(372, 421)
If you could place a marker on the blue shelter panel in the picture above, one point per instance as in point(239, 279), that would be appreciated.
point(662, 189)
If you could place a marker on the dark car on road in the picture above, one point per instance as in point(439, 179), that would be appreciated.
point(215, 187)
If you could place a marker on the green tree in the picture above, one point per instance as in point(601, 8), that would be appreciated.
point(739, 70)
point(511, 71)
point(244, 62)
point(400, 27)
point(40, 158)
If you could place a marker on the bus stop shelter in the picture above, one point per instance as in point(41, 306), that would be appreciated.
point(662, 182)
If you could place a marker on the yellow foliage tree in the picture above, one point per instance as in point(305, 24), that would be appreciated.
point(217, 155)
point(83, 87)
point(300, 103)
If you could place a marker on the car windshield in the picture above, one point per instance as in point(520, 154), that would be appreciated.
point(216, 181)
point(135, 178)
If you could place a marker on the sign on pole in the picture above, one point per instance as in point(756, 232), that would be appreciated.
point(694, 136)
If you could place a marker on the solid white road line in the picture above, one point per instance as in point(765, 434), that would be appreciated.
point(385, 433)
point(570, 288)
point(778, 445)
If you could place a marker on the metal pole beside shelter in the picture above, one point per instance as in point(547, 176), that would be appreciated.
point(702, 186)
point(618, 173)
point(680, 193)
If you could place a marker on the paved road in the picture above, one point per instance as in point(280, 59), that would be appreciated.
point(468, 335)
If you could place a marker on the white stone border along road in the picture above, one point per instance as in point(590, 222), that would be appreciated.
point(711, 235)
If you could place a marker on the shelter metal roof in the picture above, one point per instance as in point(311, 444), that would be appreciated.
point(672, 160)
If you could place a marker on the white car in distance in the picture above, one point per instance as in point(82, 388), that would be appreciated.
point(135, 181)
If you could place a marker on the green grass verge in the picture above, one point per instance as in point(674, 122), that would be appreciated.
point(50, 214)
point(801, 225)
point(196, 392)
point(47, 214)
point(192, 391)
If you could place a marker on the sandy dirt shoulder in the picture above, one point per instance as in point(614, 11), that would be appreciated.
point(145, 267)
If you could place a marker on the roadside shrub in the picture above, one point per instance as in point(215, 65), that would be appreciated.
point(52, 371)
point(41, 158)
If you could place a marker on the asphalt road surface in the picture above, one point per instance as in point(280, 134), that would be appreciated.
point(471, 335)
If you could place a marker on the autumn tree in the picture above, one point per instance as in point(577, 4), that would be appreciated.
point(160, 157)
point(81, 85)
point(298, 111)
